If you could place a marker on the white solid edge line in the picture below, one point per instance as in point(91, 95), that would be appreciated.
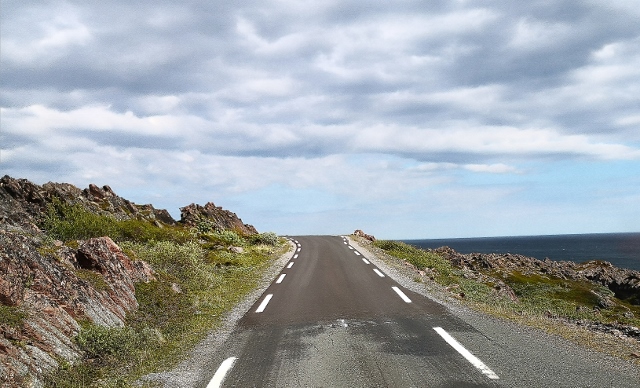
point(290, 265)
point(475, 361)
point(281, 278)
point(264, 303)
point(365, 260)
point(218, 377)
point(401, 294)
point(378, 272)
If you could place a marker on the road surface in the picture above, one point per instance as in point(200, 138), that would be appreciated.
point(332, 318)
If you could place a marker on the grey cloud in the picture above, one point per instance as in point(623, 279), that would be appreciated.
point(129, 140)
point(194, 48)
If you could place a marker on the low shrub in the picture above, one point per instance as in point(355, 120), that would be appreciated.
point(225, 237)
point(72, 222)
point(186, 263)
point(268, 238)
point(446, 273)
point(105, 343)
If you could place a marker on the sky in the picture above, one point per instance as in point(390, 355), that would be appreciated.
point(406, 119)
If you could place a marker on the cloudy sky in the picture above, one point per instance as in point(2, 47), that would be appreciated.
point(407, 119)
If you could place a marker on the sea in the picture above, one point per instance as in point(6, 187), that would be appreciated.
point(620, 249)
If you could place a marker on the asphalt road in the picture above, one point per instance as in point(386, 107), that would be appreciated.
point(332, 318)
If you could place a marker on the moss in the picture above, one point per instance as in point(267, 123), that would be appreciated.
point(12, 316)
point(94, 278)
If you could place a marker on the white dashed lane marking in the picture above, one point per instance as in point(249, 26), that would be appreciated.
point(365, 260)
point(225, 367)
point(401, 294)
point(290, 265)
point(281, 278)
point(475, 361)
point(378, 272)
point(264, 303)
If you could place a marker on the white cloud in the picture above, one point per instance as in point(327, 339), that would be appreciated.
point(533, 34)
point(55, 35)
point(498, 168)
point(485, 140)
point(38, 120)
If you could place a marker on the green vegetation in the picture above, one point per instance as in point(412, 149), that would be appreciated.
point(537, 295)
point(94, 278)
point(11, 316)
point(198, 280)
point(73, 222)
point(443, 272)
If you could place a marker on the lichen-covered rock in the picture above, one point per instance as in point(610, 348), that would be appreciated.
point(96, 283)
point(362, 234)
point(220, 219)
point(22, 203)
point(625, 283)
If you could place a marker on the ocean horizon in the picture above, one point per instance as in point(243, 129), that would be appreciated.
point(620, 249)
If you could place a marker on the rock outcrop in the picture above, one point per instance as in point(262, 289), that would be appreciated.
point(54, 291)
point(624, 283)
point(362, 234)
point(215, 217)
point(23, 203)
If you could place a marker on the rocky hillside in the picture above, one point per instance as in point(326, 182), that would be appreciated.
point(50, 288)
point(623, 283)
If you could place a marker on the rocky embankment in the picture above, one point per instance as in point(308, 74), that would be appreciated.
point(46, 293)
point(493, 268)
point(624, 283)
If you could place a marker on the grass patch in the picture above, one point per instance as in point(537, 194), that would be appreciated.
point(445, 273)
point(67, 222)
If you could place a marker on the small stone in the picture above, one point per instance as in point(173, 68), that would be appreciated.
point(176, 288)
point(236, 249)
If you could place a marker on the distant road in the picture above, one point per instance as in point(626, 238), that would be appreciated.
point(332, 318)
